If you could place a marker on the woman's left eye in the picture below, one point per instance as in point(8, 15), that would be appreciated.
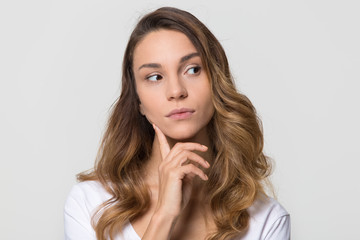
point(193, 70)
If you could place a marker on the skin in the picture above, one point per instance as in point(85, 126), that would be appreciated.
point(169, 76)
point(165, 81)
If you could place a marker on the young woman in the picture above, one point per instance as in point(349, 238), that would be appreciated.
point(182, 155)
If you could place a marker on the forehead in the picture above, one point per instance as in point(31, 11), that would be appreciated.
point(162, 46)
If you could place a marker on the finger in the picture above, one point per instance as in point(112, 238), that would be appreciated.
point(164, 145)
point(190, 146)
point(187, 155)
point(192, 169)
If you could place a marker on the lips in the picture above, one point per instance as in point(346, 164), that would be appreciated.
point(181, 113)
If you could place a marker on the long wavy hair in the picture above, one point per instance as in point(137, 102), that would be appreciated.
point(239, 167)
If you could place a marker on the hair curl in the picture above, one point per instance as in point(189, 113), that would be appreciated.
point(239, 167)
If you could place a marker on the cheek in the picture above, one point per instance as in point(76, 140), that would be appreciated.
point(145, 111)
point(210, 110)
point(143, 98)
point(209, 106)
point(148, 108)
point(206, 96)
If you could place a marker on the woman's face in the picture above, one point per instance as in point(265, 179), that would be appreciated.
point(173, 88)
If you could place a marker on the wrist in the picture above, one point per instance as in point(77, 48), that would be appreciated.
point(160, 227)
point(161, 217)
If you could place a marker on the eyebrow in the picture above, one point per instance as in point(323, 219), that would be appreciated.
point(150, 65)
point(189, 56)
point(157, 65)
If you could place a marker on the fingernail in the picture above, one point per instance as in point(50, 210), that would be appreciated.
point(205, 147)
point(207, 163)
point(206, 177)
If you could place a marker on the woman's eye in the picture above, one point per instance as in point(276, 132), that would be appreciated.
point(193, 70)
point(154, 78)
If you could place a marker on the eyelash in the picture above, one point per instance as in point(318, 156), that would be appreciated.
point(196, 68)
point(155, 75)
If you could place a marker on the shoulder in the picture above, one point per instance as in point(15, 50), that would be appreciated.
point(268, 220)
point(89, 188)
point(266, 208)
point(89, 194)
point(82, 202)
point(86, 196)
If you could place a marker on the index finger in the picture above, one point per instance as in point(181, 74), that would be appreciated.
point(164, 145)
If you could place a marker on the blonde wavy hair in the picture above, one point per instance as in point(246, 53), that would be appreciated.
point(239, 168)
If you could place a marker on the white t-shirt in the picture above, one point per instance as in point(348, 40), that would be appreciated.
point(268, 219)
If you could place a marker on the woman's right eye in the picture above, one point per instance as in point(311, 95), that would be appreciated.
point(154, 78)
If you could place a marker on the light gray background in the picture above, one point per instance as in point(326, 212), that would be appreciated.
point(298, 61)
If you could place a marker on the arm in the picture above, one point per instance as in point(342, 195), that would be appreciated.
point(77, 221)
point(175, 184)
point(160, 227)
point(280, 229)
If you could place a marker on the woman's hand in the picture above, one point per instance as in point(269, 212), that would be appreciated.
point(176, 173)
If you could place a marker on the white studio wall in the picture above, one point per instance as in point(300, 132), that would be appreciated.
point(297, 61)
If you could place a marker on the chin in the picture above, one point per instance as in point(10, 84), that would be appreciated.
point(184, 134)
point(181, 136)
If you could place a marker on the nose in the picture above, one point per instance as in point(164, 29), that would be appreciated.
point(176, 89)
